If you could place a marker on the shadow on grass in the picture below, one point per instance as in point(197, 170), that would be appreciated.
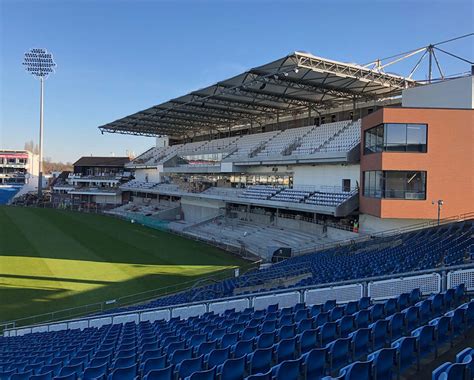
point(18, 303)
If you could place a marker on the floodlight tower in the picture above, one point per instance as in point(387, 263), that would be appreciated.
point(40, 63)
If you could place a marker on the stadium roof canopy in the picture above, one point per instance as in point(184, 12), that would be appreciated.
point(297, 83)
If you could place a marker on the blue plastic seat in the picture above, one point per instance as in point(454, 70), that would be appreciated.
point(403, 300)
point(426, 340)
point(285, 350)
point(161, 374)
point(179, 355)
point(412, 319)
point(459, 292)
point(308, 340)
point(336, 313)
point(327, 333)
point(384, 361)
point(286, 332)
point(5, 375)
point(150, 354)
point(303, 325)
point(442, 327)
point(415, 296)
point(390, 306)
point(217, 357)
point(266, 340)
point(361, 318)
point(124, 373)
point(101, 360)
point(364, 303)
point(208, 374)
point(188, 366)
point(329, 304)
point(357, 371)
point(260, 376)
point(376, 311)
point(424, 311)
point(351, 307)
point(469, 314)
point(339, 353)
point(453, 371)
point(396, 325)
point(232, 369)
point(205, 347)
point(229, 339)
point(152, 364)
point(43, 376)
point(437, 303)
point(361, 343)
point(287, 370)
point(95, 372)
point(25, 375)
point(249, 333)
point(320, 319)
point(313, 363)
point(407, 352)
point(242, 348)
point(68, 370)
point(346, 325)
point(379, 333)
point(260, 360)
point(125, 362)
point(55, 368)
point(466, 355)
point(172, 347)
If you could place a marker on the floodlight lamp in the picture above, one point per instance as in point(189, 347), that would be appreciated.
point(39, 63)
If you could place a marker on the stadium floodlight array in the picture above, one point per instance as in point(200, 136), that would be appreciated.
point(40, 63)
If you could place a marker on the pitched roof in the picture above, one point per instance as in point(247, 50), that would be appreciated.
point(102, 161)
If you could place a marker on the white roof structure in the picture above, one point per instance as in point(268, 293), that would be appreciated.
point(296, 84)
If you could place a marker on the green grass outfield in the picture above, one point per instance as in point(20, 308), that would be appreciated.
point(54, 259)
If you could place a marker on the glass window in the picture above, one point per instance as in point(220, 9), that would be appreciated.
point(395, 184)
point(416, 137)
point(395, 137)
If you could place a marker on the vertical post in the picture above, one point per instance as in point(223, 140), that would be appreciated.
point(40, 174)
point(439, 211)
point(430, 61)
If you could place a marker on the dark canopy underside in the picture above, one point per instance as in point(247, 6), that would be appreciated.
point(292, 85)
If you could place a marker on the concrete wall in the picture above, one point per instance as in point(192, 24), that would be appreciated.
point(195, 210)
point(454, 93)
point(153, 175)
point(325, 175)
point(108, 199)
point(369, 224)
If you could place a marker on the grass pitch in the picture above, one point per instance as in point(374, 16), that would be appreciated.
point(53, 259)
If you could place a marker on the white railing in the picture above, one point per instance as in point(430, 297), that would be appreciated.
point(378, 288)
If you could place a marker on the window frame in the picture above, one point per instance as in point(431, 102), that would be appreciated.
point(382, 191)
point(371, 136)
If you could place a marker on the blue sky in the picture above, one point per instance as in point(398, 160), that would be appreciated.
point(117, 57)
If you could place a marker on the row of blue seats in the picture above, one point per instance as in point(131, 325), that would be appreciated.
point(407, 252)
point(461, 369)
point(270, 344)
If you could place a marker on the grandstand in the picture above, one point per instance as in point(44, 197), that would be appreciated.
point(332, 177)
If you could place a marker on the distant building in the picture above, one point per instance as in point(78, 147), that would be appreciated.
point(93, 183)
point(18, 172)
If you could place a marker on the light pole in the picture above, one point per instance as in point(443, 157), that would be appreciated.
point(440, 203)
point(40, 63)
